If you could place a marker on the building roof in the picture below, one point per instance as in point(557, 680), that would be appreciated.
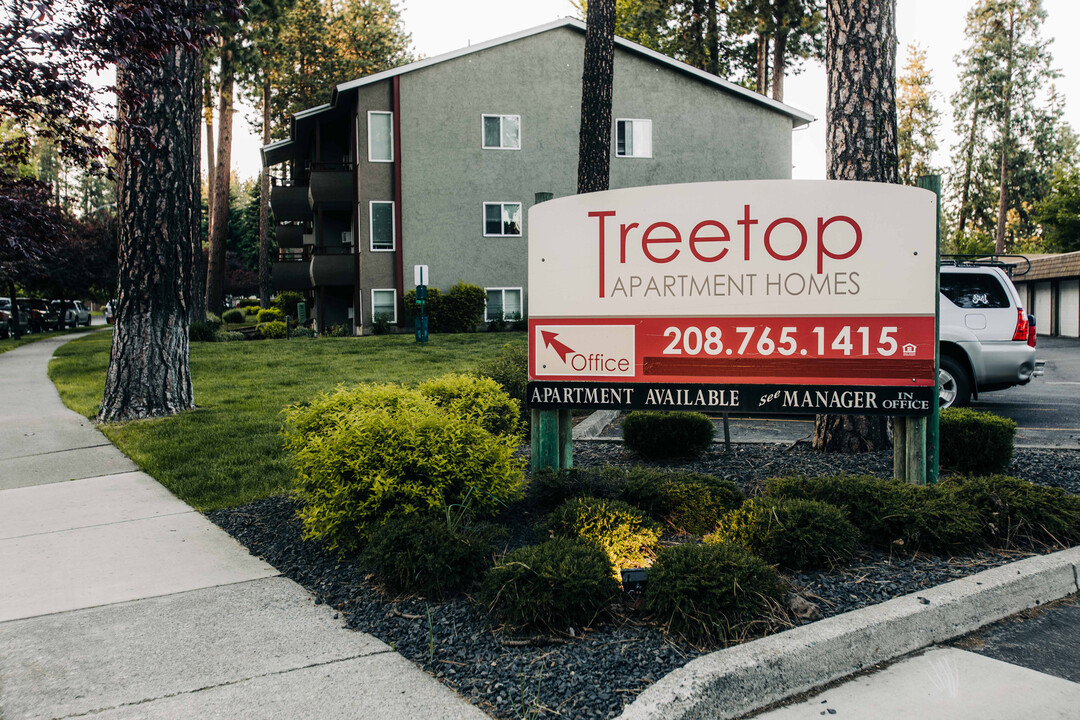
point(1049, 267)
point(277, 152)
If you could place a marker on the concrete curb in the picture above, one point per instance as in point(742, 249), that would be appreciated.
point(591, 427)
point(732, 682)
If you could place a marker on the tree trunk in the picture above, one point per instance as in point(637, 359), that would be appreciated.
point(712, 38)
point(860, 129)
point(762, 82)
point(211, 158)
point(197, 291)
point(219, 227)
point(157, 203)
point(594, 144)
point(16, 331)
point(1006, 138)
point(696, 55)
point(264, 207)
point(779, 65)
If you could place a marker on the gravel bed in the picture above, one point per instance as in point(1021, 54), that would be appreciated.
point(597, 671)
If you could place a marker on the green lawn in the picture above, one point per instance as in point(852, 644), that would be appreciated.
point(11, 343)
point(227, 451)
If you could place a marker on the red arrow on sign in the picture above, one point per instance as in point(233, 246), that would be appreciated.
point(551, 342)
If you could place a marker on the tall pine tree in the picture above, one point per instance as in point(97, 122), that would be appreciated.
point(916, 118)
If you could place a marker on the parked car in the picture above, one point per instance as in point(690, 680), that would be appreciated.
point(74, 313)
point(7, 319)
point(987, 339)
point(43, 316)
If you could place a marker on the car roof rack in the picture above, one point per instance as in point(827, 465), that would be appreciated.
point(1019, 264)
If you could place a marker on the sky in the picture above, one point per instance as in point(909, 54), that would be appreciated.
point(439, 26)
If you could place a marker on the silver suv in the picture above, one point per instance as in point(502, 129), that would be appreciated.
point(987, 339)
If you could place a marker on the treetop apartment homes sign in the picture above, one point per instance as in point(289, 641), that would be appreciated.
point(772, 296)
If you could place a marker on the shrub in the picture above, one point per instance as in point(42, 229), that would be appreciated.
point(553, 487)
point(480, 399)
point(549, 587)
point(369, 465)
point(431, 307)
point(339, 331)
point(711, 593)
point(204, 331)
point(272, 330)
point(227, 336)
point(270, 315)
point(975, 442)
point(462, 308)
point(793, 533)
point(663, 435)
point(252, 310)
point(302, 331)
point(691, 502)
point(1012, 510)
point(235, 315)
point(286, 302)
point(420, 554)
point(624, 533)
point(510, 368)
point(380, 324)
point(247, 303)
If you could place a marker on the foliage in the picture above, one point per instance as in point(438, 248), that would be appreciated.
point(793, 533)
point(691, 502)
point(711, 593)
point(663, 435)
point(479, 399)
point(462, 308)
point(247, 303)
point(205, 331)
point(305, 332)
point(975, 442)
point(380, 324)
point(286, 302)
point(339, 331)
point(917, 118)
point(226, 336)
point(510, 368)
point(1058, 214)
point(1015, 511)
point(625, 534)
point(421, 554)
point(235, 315)
point(273, 330)
point(270, 315)
point(553, 487)
point(554, 586)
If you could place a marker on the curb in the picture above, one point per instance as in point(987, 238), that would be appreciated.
point(738, 680)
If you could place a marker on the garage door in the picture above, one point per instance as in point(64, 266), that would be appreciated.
point(1070, 308)
point(1043, 300)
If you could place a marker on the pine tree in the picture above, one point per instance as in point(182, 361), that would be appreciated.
point(916, 118)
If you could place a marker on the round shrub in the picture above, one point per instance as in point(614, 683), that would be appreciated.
point(227, 336)
point(327, 410)
point(478, 398)
point(462, 308)
point(552, 487)
point(302, 331)
point(793, 533)
point(374, 464)
point(420, 554)
point(711, 593)
point(553, 586)
point(274, 330)
point(624, 533)
point(202, 332)
point(974, 442)
point(1014, 511)
point(270, 315)
point(664, 435)
point(247, 303)
point(235, 315)
point(286, 302)
point(692, 502)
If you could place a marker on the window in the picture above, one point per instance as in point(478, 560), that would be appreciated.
point(502, 219)
point(503, 304)
point(502, 132)
point(974, 290)
point(380, 136)
point(633, 138)
point(382, 225)
point(384, 302)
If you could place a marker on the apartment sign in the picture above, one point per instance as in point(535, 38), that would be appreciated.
point(774, 296)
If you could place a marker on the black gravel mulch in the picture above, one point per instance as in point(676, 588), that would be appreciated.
point(597, 671)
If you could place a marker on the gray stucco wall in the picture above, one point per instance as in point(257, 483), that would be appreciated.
point(699, 133)
point(376, 182)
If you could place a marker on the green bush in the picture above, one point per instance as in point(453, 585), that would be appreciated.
point(890, 514)
point(691, 502)
point(302, 331)
point(380, 324)
point(204, 331)
point(553, 487)
point(624, 533)
point(975, 442)
point(712, 593)
point(339, 331)
point(274, 330)
point(227, 336)
point(286, 302)
point(420, 554)
point(480, 399)
point(462, 308)
point(510, 368)
point(793, 533)
point(431, 307)
point(270, 315)
point(235, 315)
point(370, 465)
point(252, 310)
point(1015, 511)
point(247, 303)
point(664, 435)
point(553, 586)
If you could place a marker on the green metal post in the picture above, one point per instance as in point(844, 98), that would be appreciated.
point(566, 439)
point(534, 440)
point(933, 183)
point(549, 439)
point(899, 448)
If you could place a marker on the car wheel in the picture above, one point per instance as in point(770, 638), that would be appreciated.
point(954, 385)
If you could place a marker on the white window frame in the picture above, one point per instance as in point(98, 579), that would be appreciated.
point(393, 318)
point(369, 143)
point(615, 140)
point(521, 213)
point(371, 226)
point(521, 301)
point(484, 117)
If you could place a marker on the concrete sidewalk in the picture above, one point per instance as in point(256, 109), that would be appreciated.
point(118, 599)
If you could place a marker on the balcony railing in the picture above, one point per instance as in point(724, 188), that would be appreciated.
point(290, 203)
point(333, 266)
point(332, 185)
point(289, 236)
point(291, 272)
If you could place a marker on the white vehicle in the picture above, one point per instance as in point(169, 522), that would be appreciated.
point(74, 313)
point(987, 338)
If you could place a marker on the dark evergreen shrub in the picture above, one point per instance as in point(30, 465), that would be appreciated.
point(974, 442)
point(692, 502)
point(793, 533)
point(235, 315)
point(302, 331)
point(422, 555)
point(431, 308)
point(461, 309)
point(553, 586)
point(380, 325)
point(712, 593)
point(664, 435)
point(203, 331)
point(510, 368)
point(270, 315)
point(552, 487)
point(625, 534)
point(1012, 511)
